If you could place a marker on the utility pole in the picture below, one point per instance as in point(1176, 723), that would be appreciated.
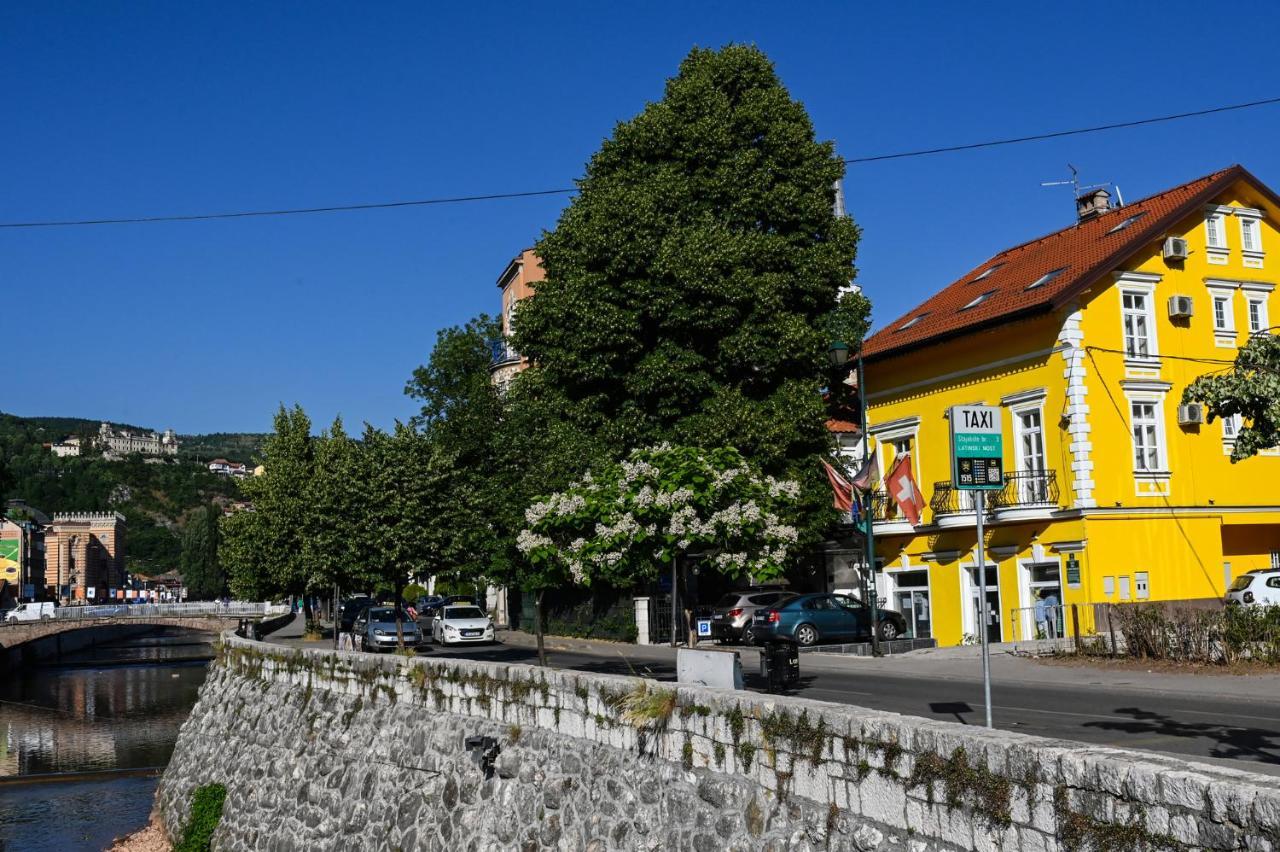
point(869, 550)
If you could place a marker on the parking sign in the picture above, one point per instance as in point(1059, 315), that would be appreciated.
point(977, 448)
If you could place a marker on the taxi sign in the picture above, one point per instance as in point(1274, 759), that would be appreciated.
point(977, 448)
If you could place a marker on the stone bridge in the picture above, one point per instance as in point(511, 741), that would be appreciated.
point(80, 627)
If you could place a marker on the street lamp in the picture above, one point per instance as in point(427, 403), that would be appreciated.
point(838, 354)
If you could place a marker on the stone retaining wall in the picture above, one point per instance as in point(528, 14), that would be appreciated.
point(324, 750)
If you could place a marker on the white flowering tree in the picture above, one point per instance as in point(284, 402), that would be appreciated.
point(643, 515)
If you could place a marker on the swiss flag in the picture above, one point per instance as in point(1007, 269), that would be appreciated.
point(902, 488)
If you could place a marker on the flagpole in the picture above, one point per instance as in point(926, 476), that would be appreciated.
point(869, 550)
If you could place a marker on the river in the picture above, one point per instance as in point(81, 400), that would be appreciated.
point(82, 740)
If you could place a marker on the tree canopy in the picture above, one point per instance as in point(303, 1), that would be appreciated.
point(1250, 391)
point(200, 565)
point(690, 283)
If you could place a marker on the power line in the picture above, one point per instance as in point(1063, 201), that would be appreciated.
point(1060, 133)
point(497, 196)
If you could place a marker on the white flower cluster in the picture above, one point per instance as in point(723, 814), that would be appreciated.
point(779, 487)
point(529, 541)
point(631, 471)
point(721, 478)
point(626, 526)
point(779, 531)
point(559, 505)
point(685, 522)
point(726, 561)
point(667, 499)
point(736, 516)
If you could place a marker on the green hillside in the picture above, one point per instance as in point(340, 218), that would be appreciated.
point(155, 496)
point(236, 446)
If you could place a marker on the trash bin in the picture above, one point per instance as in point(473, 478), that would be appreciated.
point(780, 665)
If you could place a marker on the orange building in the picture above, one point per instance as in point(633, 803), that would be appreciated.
point(84, 556)
point(516, 283)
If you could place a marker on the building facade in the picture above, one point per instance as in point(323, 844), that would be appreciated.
point(122, 442)
point(1085, 338)
point(84, 557)
point(515, 283)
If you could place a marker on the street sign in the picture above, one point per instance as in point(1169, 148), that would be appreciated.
point(977, 448)
point(704, 628)
point(1073, 571)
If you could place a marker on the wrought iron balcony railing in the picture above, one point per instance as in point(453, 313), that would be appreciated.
point(949, 500)
point(1028, 488)
point(502, 352)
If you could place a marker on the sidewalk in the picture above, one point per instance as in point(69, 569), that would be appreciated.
point(961, 663)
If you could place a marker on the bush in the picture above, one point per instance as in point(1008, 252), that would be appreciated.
point(1214, 636)
point(206, 812)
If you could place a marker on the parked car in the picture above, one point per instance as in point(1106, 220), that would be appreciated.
point(429, 614)
point(461, 623)
point(820, 619)
point(349, 609)
point(375, 629)
point(1260, 587)
point(41, 611)
point(732, 614)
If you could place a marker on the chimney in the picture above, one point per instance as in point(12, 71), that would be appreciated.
point(1092, 204)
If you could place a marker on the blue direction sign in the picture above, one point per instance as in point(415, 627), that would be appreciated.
point(977, 448)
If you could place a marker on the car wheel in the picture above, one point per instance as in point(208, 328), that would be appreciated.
point(888, 631)
point(807, 634)
point(748, 636)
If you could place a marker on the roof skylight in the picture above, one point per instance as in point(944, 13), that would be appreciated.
point(988, 272)
point(1046, 278)
point(915, 319)
point(1127, 222)
point(979, 300)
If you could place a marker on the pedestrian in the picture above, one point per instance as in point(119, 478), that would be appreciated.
point(1051, 612)
point(1042, 616)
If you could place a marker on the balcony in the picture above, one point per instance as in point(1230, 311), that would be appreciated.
point(501, 354)
point(1027, 494)
point(886, 517)
point(950, 506)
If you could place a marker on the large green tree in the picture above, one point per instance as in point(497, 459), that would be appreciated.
point(272, 560)
point(332, 551)
point(199, 565)
point(1250, 391)
point(691, 283)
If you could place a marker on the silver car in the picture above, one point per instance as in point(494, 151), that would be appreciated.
point(731, 617)
point(375, 629)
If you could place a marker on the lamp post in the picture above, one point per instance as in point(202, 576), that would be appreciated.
point(838, 353)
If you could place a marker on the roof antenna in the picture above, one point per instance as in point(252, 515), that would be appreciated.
point(1086, 211)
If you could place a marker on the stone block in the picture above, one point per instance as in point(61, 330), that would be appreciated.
point(1184, 790)
point(883, 800)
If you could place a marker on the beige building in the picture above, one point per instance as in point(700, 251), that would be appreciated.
point(84, 556)
point(516, 283)
point(121, 442)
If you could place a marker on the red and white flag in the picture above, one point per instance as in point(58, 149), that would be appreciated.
point(904, 491)
point(841, 489)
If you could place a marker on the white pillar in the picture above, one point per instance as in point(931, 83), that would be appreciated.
point(642, 621)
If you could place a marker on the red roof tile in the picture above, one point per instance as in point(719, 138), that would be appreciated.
point(1081, 253)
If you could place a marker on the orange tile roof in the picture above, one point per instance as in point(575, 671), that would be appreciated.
point(1080, 254)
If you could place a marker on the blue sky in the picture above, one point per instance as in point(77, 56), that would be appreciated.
point(115, 110)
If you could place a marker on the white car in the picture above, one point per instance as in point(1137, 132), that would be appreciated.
point(454, 624)
point(41, 611)
point(1260, 587)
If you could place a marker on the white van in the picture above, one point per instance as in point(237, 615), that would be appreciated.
point(1260, 587)
point(42, 611)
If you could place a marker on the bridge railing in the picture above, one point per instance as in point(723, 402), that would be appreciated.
point(234, 609)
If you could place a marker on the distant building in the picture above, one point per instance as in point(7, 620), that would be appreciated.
point(121, 442)
point(228, 468)
point(69, 447)
point(84, 556)
point(516, 283)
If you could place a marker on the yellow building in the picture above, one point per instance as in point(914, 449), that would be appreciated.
point(1085, 338)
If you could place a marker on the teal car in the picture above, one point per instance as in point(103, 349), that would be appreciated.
point(824, 620)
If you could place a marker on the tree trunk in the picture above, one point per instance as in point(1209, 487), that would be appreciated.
point(537, 628)
point(307, 614)
point(691, 630)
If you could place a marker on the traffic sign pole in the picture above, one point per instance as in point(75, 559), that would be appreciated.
point(977, 457)
point(980, 510)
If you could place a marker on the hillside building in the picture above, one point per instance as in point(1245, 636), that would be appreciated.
point(122, 442)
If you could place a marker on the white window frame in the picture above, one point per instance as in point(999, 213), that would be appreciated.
point(1141, 585)
point(1144, 285)
point(1151, 393)
point(1256, 295)
point(1231, 427)
point(1223, 335)
point(891, 432)
point(1251, 223)
point(1153, 429)
point(1020, 405)
point(1215, 219)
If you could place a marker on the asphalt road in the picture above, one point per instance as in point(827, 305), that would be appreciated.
point(1242, 732)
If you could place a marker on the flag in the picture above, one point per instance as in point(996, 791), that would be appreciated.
point(841, 489)
point(902, 488)
point(868, 476)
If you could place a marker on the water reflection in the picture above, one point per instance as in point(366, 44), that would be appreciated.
point(118, 706)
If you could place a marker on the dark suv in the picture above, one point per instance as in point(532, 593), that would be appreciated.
point(731, 616)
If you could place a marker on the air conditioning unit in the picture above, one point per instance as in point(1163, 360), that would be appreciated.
point(1180, 306)
point(1190, 414)
point(1175, 248)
